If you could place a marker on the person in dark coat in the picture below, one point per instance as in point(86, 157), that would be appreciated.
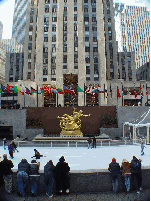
point(49, 174)
point(94, 142)
point(136, 172)
point(62, 176)
point(14, 146)
point(10, 148)
point(37, 154)
point(34, 176)
point(114, 168)
point(22, 176)
point(2, 183)
point(89, 143)
point(7, 173)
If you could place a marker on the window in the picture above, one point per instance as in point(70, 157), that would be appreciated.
point(45, 71)
point(65, 59)
point(64, 66)
point(29, 55)
point(86, 19)
point(75, 8)
point(76, 58)
point(30, 27)
point(86, 28)
point(64, 49)
point(54, 1)
point(47, 1)
point(65, 9)
point(75, 27)
point(93, 19)
point(29, 65)
point(94, 39)
point(53, 48)
point(87, 59)
point(75, 49)
point(29, 75)
point(54, 38)
point(94, 28)
point(44, 79)
point(65, 1)
point(95, 60)
point(45, 61)
point(87, 71)
point(93, 1)
point(45, 49)
point(54, 29)
point(31, 19)
point(65, 27)
point(46, 10)
point(53, 72)
point(86, 38)
point(85, 1)
point(30, 38)
point(93, 9)
point(65, 18)
point(86, 9)
point(95, 49)
point(32, 11)
point(45, 39)
point(29, 46)
point(53, 60)
point(75, 17)
point(45, 29)
point(54, 9)
point(75, 1)
point(87, 49)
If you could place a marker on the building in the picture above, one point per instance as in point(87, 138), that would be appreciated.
point(1, 30)
point(11, 45)
point(2, 65)
point(135, 27)
point(19, 20)
point(143, 73)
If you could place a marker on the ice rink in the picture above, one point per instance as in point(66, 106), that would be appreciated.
point(82, 158)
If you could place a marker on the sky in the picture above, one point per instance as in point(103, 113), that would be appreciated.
point(7, 9)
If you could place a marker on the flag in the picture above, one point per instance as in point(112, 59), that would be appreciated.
point(46, 90)
point(60, 91)
point(18, 88)
point(80, 89)
point(54, 90)
point(95, 90)
point(146, 89)
point(4, 89)
point(88, 90)
point(141, 91)
point(100, 90)
point(110, 91)
point(42, 89)
point(33, 90)
point(10, 89)
point(118, 93)
point(66, 90)
point(27, 91)
point(135, 94)
point(22, 90)
point(15, 89)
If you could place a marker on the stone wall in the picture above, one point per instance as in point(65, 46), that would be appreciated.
point(30, 133)
point(111, 132)
point(128, 114)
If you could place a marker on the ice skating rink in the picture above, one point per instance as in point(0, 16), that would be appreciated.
point(82, 158)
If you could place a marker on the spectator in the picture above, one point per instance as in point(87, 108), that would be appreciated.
point(34, 176)
point(94, 142)
point(2, 183)
point(4, 142)
point(7, 173)
point(136, 172)
point(126, 173)
point(89, 143)
point(49, 171)
point(22, 176)
point(62, 176)
point(114, 168)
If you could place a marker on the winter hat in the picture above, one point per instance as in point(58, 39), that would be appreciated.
point(33, 161)
point(124, 160)
point(62, 159)
point(113, 159)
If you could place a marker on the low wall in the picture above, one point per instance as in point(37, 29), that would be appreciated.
point(30, 133)
point(111, 132)
point(88, 181)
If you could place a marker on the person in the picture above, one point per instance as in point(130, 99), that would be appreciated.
point(94, 142)
point(22, 176)
point(142, 148)
point(62, 176)
point(126, 173)
point(14, 146)
point(89, 143)
point(49, 174)
point(4, 142)
point(37, 154)
point(7, 173)
point(136, 172)
point(2, 183)
point(10, 148)
point(34, 176)
point(114, 168)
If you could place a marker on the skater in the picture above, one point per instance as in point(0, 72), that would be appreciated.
point(14, 146)
point(37, 154)
point(22, 176)
point(89, 143)
point(49, 174)
point(7, 173)
point(94, 142)
point(62, 176)
point(34, 176)
point(10, 148)
point(136, 172)
point(4, 142)
point(142, 148)
point(114, 168)
point(126, 173)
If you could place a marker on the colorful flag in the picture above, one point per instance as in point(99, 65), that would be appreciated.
point(100, 90)
point(141, 91)
point(18, 88)
point(10, 89)
point(118, 93)
point(110, 91)
point(54, 90)
point(146, 89)
point(33, 90)
point(42, 89)
point(4, 89)
point(60, 91)
point(15, 89)
point(95, 90)
point(66, 90)
point(46, 89)
point(122, 90)
point(22, 90)
point(80, 89)
point(135, 94)
point(27, 91)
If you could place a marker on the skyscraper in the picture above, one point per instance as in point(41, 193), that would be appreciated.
point(1, 30)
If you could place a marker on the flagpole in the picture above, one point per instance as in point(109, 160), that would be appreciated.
point(104, 91)
point(122, 94)
point(0, 95)
point(37, 95)
point(84, 94)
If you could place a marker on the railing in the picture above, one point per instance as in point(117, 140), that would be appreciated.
point(84, 143)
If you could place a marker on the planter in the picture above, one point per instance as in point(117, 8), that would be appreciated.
point(110, 126)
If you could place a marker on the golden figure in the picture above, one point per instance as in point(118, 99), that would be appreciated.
point(71, 124)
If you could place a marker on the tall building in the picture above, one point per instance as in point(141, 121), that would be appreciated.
point(135, 27)
point(2, 65)
point(19, 20)
point(11, 45)
point(1, 30)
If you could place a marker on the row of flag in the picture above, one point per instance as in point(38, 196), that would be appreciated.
point(52, 89)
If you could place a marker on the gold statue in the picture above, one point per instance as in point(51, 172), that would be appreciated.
point(71, 124)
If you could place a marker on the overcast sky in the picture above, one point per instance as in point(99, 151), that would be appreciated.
point(7, 9)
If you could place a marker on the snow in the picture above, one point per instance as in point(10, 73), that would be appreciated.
point(82, 158)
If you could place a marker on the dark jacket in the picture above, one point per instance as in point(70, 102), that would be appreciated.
point(7, 165)
point(62, 169)
point(49, 173)
point(34, 169)
point(24, 166)
point(1, 174)
point(89, 140)
point(135, 166)
point(114, 168)
point(14, 145)
point(94, 140)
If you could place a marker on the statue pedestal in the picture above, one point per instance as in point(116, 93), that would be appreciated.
point(76, 133)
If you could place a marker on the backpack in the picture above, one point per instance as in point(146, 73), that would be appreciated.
point(135, 166)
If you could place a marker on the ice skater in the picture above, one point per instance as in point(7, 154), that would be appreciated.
point(89, 143)
point(14, 146)
point(142, 148)
point(37, 154)
point(10, 149)
point(4, 142)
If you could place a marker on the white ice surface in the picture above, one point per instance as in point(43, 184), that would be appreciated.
point(81, 158)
